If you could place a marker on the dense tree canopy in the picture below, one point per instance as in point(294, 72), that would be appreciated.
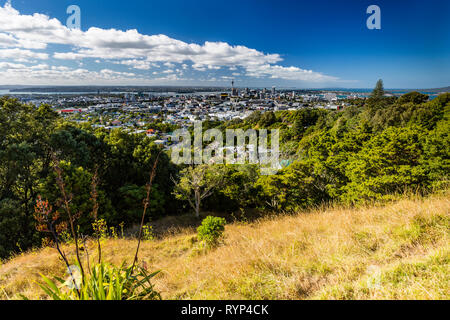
point(371, 150)
point(32, 138)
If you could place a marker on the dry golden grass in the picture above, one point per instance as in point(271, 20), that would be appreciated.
point(400, 251)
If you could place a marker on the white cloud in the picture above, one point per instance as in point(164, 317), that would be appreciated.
point(287, 73)
point(21, 55)
point(138, 64)
point(25, 33)
point(169, 65)
point(198, 67)
point(13, 73)
point(11, 66)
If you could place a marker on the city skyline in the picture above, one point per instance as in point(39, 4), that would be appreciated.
point(256, 44)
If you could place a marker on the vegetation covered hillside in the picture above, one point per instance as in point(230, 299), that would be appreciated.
point(397, 251)
point(370, 151)
point(72, 196)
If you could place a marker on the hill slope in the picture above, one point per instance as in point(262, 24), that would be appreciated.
point(400, 251)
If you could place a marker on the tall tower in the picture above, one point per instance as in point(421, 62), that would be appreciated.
point(234, 92)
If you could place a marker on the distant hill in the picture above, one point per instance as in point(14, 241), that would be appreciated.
point(95, 89)
point(11, 87)
point(445, 89)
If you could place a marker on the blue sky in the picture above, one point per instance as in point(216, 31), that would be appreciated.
point(304, 44)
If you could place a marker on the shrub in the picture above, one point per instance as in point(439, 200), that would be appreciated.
point(100, 229)
point(104, 282)
point(147, 233)
point(211, 230)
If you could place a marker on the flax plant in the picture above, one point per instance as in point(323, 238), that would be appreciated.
point(103, 281)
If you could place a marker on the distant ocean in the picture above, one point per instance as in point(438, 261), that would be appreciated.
point(368, 90)
point(8, 92)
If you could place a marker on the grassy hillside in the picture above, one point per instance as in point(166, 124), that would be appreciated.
point(400, 251)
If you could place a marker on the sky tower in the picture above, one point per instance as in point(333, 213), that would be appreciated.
point(234, 92)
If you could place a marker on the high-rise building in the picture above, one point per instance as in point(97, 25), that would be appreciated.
point(234, 91)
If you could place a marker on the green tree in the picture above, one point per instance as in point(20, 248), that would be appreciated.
point(388, 163)
point(77, 182)
point(437, 154)
point(267, 120)
point(413, 97)
point(130, 206)
point(24, 160)
point(198, 183)
point(298, 186)
point(238, 189)
point(15, 228)
point(378, 92)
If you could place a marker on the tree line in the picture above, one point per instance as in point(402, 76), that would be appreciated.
point(370, 151)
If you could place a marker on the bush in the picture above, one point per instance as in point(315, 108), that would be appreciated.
point(12, 221)
point(211, 230)
point(147, 233)
point(104, 282)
